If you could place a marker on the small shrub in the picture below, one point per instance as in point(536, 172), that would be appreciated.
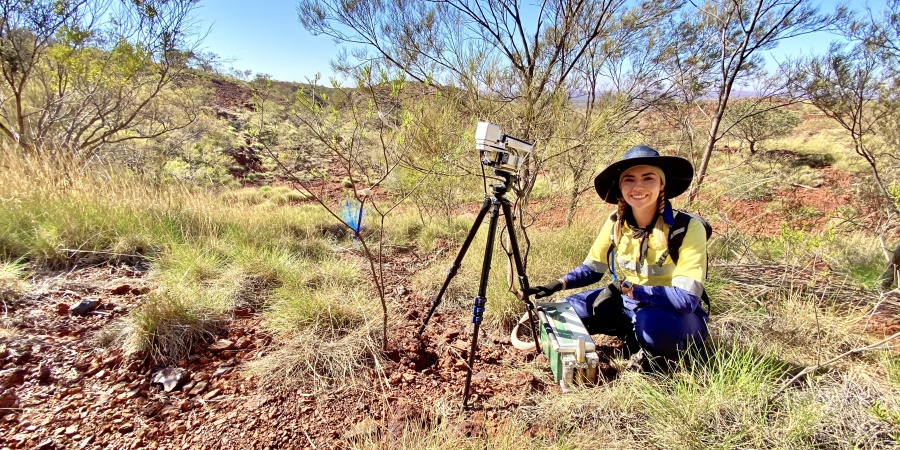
point(440, 232)
point(404, 228)
point(542, 188)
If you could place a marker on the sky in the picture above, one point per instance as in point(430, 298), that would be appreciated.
point(266, 36)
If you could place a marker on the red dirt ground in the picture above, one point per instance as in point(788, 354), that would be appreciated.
point(63, 390)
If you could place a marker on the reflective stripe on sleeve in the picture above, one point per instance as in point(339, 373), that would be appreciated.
point(596, 266)
point(647, 270)
point(689, 284)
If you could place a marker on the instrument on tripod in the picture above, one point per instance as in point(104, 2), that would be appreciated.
point(506, 155)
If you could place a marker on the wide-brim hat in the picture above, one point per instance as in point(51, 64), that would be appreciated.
point(679, 173)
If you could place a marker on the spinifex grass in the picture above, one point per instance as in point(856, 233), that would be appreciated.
point(322, 314)
point(11, 284)
point(760, 339)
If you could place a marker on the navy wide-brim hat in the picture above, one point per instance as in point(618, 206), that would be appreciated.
point(679, 173)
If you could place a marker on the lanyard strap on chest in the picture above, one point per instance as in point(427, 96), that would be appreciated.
point(643, 237)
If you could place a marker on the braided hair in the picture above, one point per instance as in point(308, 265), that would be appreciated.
point(659, 231)
point(620, 219)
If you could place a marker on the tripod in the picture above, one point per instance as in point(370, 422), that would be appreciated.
point(493, 203)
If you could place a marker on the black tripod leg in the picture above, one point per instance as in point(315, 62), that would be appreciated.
point(457, 262)
point(481, 297)
point(520, 269)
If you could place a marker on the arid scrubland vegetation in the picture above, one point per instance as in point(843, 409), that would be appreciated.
point(226, 203)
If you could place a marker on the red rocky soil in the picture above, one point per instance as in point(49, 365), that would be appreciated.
point(60, 388)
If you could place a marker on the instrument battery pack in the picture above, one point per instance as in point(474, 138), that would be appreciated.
point(567, 345)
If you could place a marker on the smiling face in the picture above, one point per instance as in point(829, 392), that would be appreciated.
point(641, 186)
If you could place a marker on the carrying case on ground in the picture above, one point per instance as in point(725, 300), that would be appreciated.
point(567, 344)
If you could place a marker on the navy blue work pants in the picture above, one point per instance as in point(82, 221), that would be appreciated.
point(660, 331)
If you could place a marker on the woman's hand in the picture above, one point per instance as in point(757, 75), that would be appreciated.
point(546, 290)
point(627, 288)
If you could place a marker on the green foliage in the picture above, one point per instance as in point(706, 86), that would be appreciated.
point(107, 74)
point(892, 367)
point(894, 192)
point(794, 245)
point(889, 415)
point(751, 122)
point(453, 230)
point(325, 297)
point(707, 404)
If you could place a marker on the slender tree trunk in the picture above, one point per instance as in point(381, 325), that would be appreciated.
point(862, 151)
point(707, 154)
point(889, 276)
point(573, 205)
point(379, 284)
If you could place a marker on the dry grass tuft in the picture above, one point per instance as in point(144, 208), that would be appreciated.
point(324, 359)
point(168, 326)
point(11, 285)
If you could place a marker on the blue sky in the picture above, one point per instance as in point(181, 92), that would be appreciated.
point(265, 36)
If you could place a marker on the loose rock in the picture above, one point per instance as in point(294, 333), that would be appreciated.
point(121, 290)
point(44, 373)
point(170, 378)
point(198, 388)
point(220, 345)
point(9, 399)
point(12, 377)
point(84, 307)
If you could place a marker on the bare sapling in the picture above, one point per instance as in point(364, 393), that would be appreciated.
point(363, 137)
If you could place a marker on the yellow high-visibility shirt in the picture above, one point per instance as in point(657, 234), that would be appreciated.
point(689, 274)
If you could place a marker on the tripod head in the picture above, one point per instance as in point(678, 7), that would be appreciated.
point(500, 190)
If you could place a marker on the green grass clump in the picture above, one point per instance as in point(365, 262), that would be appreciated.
point(403, 228)
point(718, 403)
point(12, 287)
point(246, 196)
point(326, 296)
point(325, 319)
point(453, 230)
point(172, 323)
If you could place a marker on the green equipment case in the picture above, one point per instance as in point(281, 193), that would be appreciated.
point(567, 345)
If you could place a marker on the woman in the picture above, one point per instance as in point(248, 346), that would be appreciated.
point(653, 302)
